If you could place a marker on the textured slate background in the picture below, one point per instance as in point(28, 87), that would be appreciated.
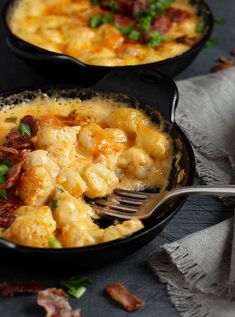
point(198, 212)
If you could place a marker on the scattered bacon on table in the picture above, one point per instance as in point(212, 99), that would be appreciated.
point(55, 302)
point(17, 288)
point(223, 63)
point(122, 296)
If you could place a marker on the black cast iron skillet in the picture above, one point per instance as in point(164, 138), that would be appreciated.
point(147, 90)
point(171, 66)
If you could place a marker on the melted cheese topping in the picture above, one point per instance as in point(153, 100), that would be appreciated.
point(107, 146)
point(62, 26)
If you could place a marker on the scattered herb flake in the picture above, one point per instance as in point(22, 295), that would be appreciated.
point(211, 43)
point(54, 243)
point(155, 39)
point(25, 130)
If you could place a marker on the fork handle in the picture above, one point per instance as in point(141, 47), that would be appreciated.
point(223, 190)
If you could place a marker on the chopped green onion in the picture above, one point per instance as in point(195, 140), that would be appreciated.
point(200, 27)
point(3, 169)
point(76, 286)
point(165, 39)
point(53, 204)
point(77, 292)
point(113, 5)
point(125, 29)
point(3, 193)
point(134, 35)
point(7, 162)
point(98, 19)
point(96, 2)
point(219, 20)
point(25, 130)
point(11, 119)
point(2, 179)
point(54, 243)
point(145, 24)
point(155, 39)
point(211, 43)
point(107, 18)
point(95, 20)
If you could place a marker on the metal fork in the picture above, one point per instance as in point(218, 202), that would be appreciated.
point(128, 205)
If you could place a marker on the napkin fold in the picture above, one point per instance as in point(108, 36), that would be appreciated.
point(199, 270)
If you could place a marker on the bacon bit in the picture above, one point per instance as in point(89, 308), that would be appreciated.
point(190, 41)
point(16, 141)
point(7, 215)
point(219, 67)
point(129, 7)
point(12, 176)
point(178, 15)
point(162, 24)
point(16, 288)
point(32, 122)
point(224, 60)
point(223, 64)
point(123, 20)
point(55, 302)
point(7, 209)
point(122, 296)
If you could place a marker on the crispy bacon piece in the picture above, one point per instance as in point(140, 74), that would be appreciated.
point(16, 141)
point(177, 15)
point(7, 215)
point(123, 19)
point(190, 41)
point(129, 7)
point(224, 63)
point(55, 302)
point(12, 176)
point(32, 122)
point(162, 24)
point(122, 296)
point(16, 288)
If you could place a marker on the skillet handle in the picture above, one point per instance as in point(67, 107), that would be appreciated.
point(148, 86)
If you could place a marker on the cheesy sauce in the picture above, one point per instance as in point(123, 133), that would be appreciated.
point(63, 26)
point(82, 149)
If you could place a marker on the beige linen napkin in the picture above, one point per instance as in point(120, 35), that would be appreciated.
point(199, 270)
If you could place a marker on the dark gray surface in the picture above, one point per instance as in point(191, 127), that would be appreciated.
point(198, 212)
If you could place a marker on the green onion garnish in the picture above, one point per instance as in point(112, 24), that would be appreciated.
point(25, 130)
point(134, 35)
point(76, 286)
point(219, 20)
point(3, 193)
point(211, 43)
point(200, 27)
point(54, 243)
